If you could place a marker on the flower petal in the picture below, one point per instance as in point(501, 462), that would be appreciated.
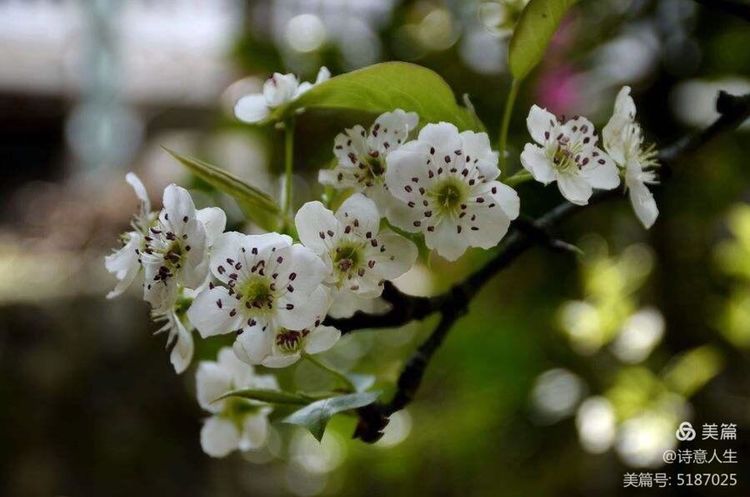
point(219, 437)
point(214, 221)
point(446, 240)
point(211, 382)
point(574, 188)
point(300, 312)
point(253, 345)
point(252, 108)
point(477, 150)
point(643, 202)
point(314, 222)
point(360, 213)
point(179, 208)
point(183, 348)
point(601, 171)
point(506, 197)
point(124, 264)
point(390, 130)
point(254, 432)
point(242, 374)
point(444, 137)
point(140, 191)
point(321, 339)
point(537, 163)
point(214, 312)
point(394, 256)
point(540, 121)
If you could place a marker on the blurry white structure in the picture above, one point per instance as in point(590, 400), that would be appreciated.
point(555, 395)
point(299, 27)
point(597, 424)
point(171, 51)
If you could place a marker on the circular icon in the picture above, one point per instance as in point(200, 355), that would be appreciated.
point(669, 456)
point(685, 432)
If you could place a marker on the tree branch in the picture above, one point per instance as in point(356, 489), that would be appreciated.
point(451, 305)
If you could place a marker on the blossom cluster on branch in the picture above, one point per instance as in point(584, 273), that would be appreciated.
point(406, 185)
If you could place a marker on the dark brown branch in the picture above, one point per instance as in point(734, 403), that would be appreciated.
point(525, 234)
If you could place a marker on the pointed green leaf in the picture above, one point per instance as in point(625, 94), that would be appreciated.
point(532, 34)
point(384, 87)
point(257, 205)
point(269, 396)
point(315, 416)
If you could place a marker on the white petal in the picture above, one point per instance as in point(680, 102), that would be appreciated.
point(446, 240)
point(210, 319)
point(124, 264)
point(306, 310)
point(617, 132)
point(254, 432)
point(643, 202)
point(538, 122)
point(313, 222)
point(537, 163)
point(405, 165)
point(504, 196)
point(601, 172)
point(280, 88)
point(350, 146)
point(242, 374)
point(574, 188)
point(160, 294)
point(301, 269)
point(476, 147)
point(397, 258)
point(182, 350)
point(140, 190)
point(361, 213)
point(443, 136)
point(253, 345)
point(390, 130)
point(228, 245)
point(491, 226)
point(402, 216)
point(179, 206)
point(214, 221)
point(252, 108)
point(219, 437)
point(323, 75)
point(211, 382)
point(321, 339)
point(281, 360)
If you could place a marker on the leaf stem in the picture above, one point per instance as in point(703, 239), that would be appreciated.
point(521, 176)
point(505, 123)
point(338, 374)
point(288, 170)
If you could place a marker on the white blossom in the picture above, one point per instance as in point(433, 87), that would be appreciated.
point(358, 256)
point(176, 249)
point(125, 263)
point(362, 155)
point(277, 91)
point(567, 153)
point(623, 140)
point(178, 337)
point(445, 183)
point(236, 423)
point(268, 284)
point(283, 347)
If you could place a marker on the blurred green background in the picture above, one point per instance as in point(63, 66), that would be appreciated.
point(565, 375)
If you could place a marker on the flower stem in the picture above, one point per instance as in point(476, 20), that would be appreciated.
point(288, 170)
point(521, 176)
point(505, 123)
point(338, 374)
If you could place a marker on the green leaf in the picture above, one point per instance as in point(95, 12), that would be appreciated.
point(257, 205)
point(269, 396)
point(532, 34)
point(315, 416)
point(384, 87)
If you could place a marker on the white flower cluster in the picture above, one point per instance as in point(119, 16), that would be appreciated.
point(274, 293)
point(568, 153)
